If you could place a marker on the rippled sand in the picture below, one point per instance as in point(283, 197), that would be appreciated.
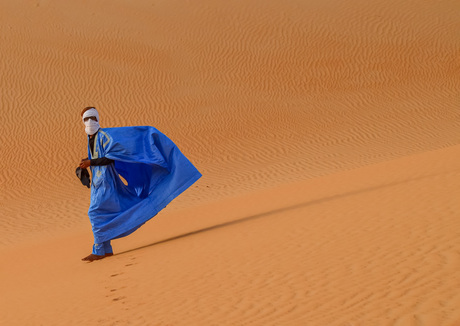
point(327, 132)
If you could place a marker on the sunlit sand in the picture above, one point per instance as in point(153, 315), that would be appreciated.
point(327, 133)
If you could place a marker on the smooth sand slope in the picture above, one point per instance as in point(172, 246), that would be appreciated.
point(327, 132)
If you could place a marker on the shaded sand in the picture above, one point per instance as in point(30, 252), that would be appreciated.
point(328, 136)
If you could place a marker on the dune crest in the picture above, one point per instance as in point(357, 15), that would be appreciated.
point(275, 102)
point(256, 94)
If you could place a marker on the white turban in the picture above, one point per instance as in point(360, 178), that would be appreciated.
point(91, 113)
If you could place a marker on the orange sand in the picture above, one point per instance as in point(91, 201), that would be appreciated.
point(327, 132)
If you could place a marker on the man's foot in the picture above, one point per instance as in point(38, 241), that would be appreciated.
point(92, 257)
point(109, 254)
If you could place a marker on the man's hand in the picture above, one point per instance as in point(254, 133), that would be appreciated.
point(85, 163)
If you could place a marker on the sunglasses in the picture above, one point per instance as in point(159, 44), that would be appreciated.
point(92, 118)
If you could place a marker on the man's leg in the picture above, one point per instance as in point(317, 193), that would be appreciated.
point(108, 248)
point(100, 250)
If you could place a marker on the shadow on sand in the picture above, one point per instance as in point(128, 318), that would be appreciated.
point(285, 209)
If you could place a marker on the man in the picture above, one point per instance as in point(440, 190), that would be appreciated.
point(154, 172)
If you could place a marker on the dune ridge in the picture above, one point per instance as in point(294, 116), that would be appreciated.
point(333, 86)
point(374, 245)
point(348, 106)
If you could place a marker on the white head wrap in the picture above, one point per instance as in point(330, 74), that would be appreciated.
point(90, 113)
point(91, 126)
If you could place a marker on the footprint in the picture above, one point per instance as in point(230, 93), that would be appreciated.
point(117, 299)
point(113, 275)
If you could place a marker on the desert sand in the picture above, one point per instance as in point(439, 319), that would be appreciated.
point(327, 133)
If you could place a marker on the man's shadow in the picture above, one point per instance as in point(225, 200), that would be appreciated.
point(285, 209)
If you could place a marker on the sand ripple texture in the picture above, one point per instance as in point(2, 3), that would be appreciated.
point(376, 245)
point(255, 93)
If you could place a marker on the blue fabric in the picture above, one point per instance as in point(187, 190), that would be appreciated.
point(101, 249)
point(154, 168)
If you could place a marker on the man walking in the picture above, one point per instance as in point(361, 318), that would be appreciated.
point(154, 172)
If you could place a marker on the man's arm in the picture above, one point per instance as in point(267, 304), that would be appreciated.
point(101, 161)
point(95, 162)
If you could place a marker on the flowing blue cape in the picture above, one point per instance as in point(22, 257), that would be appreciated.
point(154, 169)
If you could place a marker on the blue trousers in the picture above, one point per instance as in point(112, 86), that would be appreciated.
point(101, 249)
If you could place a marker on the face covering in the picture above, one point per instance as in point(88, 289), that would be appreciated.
point(91, 127)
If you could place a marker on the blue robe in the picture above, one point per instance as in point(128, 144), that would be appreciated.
point(155, 170)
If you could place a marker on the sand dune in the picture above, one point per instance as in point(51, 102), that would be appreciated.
point(330, 127)
point(374, 245)
point(257, 94)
